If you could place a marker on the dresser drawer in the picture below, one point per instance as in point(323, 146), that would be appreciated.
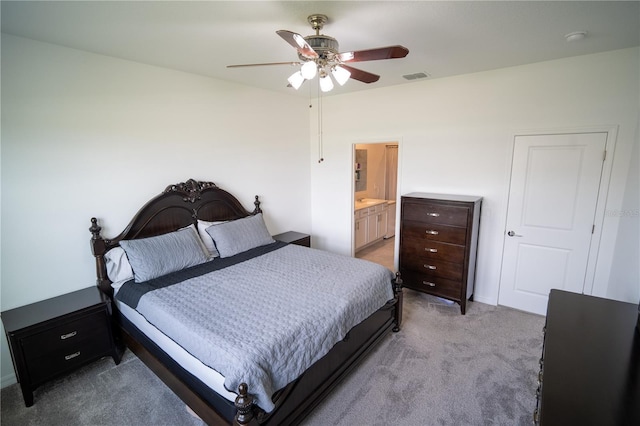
point(66, 336)
point(428, 249)
point(435, 213)
point(419, 232)
point(52, 363)
point(439, 286)
point(433, 267)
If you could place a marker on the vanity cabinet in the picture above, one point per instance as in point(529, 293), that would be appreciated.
point(438, 244)
point(370, 225)
point(361, 229)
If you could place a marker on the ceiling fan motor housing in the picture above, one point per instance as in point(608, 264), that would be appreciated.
point(324, 46)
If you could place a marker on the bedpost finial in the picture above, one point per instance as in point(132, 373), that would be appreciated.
point(244, 405)
point(95, 228)
point(257, 204)
point(398, 279)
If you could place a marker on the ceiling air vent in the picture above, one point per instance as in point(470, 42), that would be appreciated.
point(415, 76)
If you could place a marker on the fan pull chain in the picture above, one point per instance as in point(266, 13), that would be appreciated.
point(320, 136)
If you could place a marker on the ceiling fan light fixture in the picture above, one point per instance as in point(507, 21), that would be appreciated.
point(326, 85)
point(296, 79)
point(309, 70)
point(340, 74)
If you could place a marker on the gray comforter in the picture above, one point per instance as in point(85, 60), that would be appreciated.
point(265, 320)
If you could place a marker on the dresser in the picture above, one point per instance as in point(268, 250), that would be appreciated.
point(55, 336)
point(590, 365)
point(438, 244)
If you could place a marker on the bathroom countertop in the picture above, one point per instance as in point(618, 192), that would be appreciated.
point(368, 202)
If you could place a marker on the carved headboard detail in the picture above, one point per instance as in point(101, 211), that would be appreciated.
point(179, 205)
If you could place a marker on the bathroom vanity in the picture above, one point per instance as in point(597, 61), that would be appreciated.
point(370, 219)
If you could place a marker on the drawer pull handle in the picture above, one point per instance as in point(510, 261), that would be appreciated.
point(433, 214)
point(432, 267)
point(72, 356)
point(430, 284)
point(66, 336)
point(431, 250)
point(431, 232)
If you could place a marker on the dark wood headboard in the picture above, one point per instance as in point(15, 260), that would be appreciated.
point(177, 206)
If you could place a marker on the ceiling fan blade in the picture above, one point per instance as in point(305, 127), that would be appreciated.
point(297, 41)
point(390, 52)
point(363, 76)
point(264, 64)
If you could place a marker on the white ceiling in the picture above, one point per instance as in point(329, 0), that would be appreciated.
point(444, 38)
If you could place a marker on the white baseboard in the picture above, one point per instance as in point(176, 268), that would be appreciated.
point(8, 380)
point(485, 300)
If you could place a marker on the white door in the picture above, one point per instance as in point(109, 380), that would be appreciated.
point(552, 203)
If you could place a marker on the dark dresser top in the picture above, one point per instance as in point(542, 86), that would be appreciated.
point(445, 197)
point(591, 362)
point(45, 310)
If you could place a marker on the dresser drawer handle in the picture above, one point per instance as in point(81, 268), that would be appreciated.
point(432, 267)
point(431, 232)
point(430, 284)
point(72, 356)
point(433, 214)
point(431, 250)
point(66, 336)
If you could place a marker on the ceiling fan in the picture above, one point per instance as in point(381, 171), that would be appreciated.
point(319, 55)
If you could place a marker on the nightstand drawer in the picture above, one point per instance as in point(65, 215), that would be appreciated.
point(52, 363)
point(66, 335)
point(417, 231)
point(436, 213)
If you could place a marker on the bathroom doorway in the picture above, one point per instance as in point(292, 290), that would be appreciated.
point(375, 175)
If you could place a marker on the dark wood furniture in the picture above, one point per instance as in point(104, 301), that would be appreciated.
point(438, 244)
point(180, 205)
point(293, 237)
point(590, 365)
point(55, 336)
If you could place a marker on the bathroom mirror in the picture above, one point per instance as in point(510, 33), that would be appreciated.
point(361, 170)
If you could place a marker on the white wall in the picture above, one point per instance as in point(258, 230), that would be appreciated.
point(87, 135)
point(624, 281)
point(70, 118)
point(456, 136)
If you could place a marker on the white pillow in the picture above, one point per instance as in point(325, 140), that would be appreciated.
point(206, 238)
point(118, 267)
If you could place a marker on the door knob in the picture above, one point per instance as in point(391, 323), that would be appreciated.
point(513, 234)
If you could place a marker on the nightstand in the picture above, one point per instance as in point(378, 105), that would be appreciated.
point(55, 336)
point(293, 237)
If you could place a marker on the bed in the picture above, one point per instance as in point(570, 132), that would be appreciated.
point(225, 331)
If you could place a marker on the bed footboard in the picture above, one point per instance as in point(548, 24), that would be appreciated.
point(315, 384)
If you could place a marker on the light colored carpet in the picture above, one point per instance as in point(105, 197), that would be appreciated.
point(444, 368)
point(441, 369)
